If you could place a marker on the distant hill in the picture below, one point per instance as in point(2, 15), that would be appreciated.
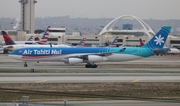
point(90, 25)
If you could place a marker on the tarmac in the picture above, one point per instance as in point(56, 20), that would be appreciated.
point(57, 72)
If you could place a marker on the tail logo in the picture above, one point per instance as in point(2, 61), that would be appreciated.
point(159, 40)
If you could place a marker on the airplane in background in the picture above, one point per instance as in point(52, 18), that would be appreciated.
point(16, 42)
point(92, 55)
point(44, 38)
point(170, 51)
point(9, 41)
point(114, 42)
point(13, 46)
point(81, 43)
point(173, 51)
point(141, 42)
point(30, 38)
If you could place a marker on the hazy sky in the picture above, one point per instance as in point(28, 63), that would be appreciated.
point(145, 9)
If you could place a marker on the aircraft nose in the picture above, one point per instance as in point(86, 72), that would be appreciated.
point(11, 55)
point(15, 56)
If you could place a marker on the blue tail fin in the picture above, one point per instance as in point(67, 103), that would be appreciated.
point(7, 38)
point(158, 41)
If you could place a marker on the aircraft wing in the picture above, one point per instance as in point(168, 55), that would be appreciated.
point(98, 54)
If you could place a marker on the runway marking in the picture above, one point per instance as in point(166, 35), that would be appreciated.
point(137, 80)
point(41, 81)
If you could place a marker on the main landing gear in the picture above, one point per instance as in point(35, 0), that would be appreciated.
point(25, 64)
point(91, 65)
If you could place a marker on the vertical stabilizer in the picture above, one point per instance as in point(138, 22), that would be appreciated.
point(30, 38)
point(7, 38)
point(114, 42)
point(158, 41)
point(141, 42)
point(45, 36)
point(81, 43)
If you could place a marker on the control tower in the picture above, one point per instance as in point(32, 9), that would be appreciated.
point(27, 15)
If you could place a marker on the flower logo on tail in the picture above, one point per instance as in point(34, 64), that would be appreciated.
point(159, 40)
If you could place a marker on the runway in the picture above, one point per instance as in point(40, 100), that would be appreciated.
point(54, 72)
point(161, 63)
point(87, 77)
point(12, 71)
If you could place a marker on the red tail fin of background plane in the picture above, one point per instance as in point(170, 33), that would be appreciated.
point(44, 37)
point(7, 38)
point(141, 42)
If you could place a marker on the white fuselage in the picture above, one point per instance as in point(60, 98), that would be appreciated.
point(14, 47)
point(173, 51)
point(21, 42)
point(62, 58)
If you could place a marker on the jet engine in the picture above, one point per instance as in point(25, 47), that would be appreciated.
point(74, 61)
point(96, 58)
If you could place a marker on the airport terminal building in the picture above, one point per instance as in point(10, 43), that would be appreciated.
point(127, 36)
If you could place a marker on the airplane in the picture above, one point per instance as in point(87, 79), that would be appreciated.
point(11, 45)
point(44, 38)
point(14, 47)
point(173, 51)
point(92, 55)
point(30, 38)
point(81, 43)
point(9, 41)
point(141, 42)
point(42, 41)
point(114, 42)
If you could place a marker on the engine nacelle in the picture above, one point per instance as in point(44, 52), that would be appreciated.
point(95, 58)
point(74, 61)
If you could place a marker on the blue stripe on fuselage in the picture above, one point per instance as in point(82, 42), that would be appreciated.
point(138, 51)
point(56, 51)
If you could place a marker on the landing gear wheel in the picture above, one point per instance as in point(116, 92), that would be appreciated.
point(88, 65)
point(94, 66)
point(25, 64)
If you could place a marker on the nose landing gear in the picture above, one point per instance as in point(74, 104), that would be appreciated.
point(25, 64)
